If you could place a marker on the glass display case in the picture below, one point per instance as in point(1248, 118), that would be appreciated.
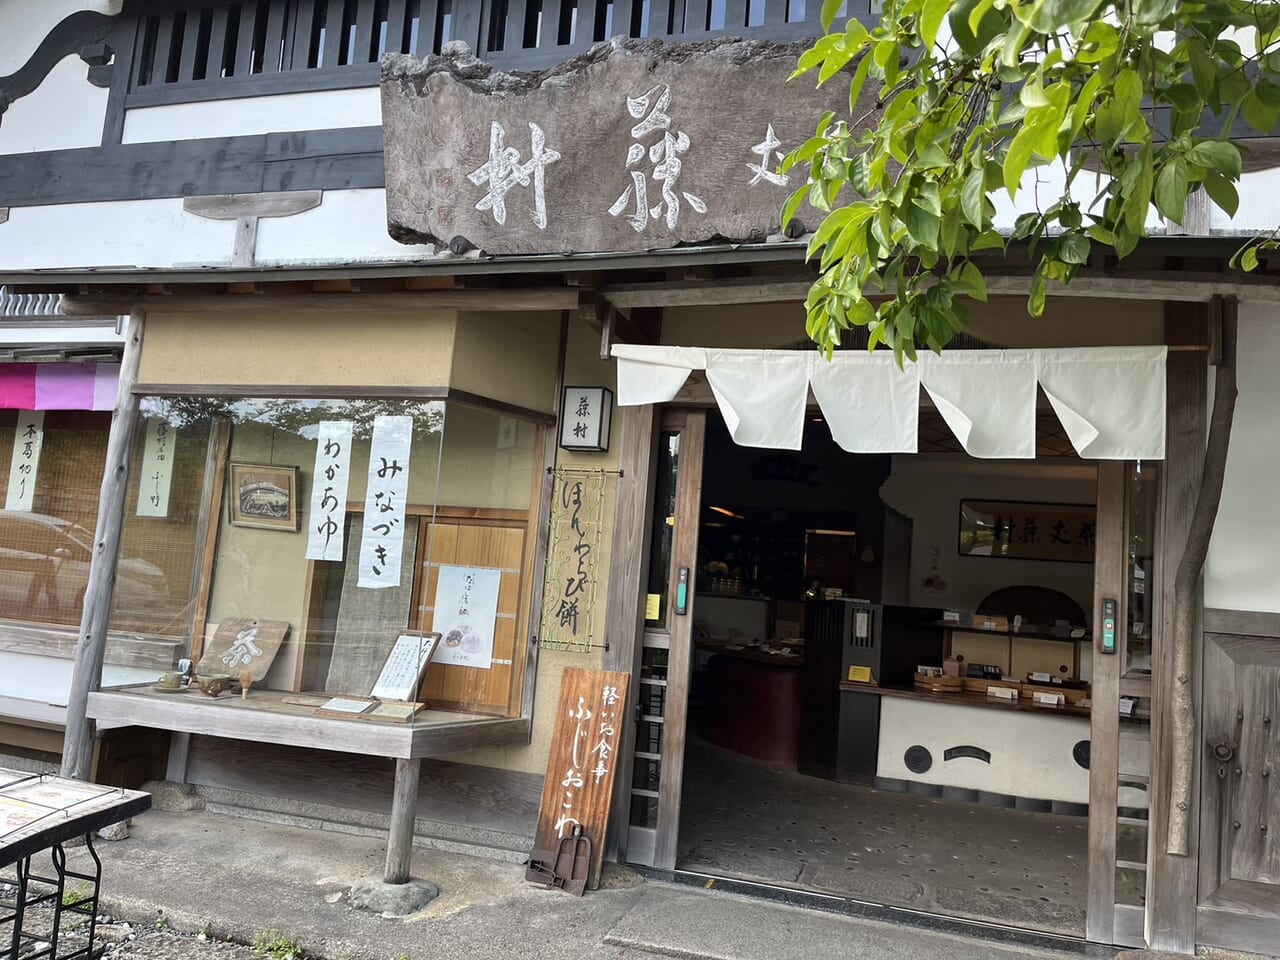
point(356, 559)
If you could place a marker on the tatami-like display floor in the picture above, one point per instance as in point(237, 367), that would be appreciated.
point(747, 820)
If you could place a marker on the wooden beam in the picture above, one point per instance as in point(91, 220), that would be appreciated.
point(1126, 285)
point(1242, 623)
point(727, 290)
point(77, 753)
point(496, 298)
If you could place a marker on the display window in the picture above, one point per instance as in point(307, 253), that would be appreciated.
point(369, 560)
point(51, 466)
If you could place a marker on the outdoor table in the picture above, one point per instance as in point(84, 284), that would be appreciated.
point(39, 812)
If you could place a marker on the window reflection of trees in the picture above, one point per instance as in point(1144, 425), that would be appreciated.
point(297, 416)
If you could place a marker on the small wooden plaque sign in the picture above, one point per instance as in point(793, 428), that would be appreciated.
point(583, 761)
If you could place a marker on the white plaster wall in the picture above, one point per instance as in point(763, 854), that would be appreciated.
point(1030, 752)
point(64, 112)
point(1259, 205)
point(929, 487)
point(1243, 568)
point(321, 110)
point(24, 23)
point(127, 233)
point(350, 226)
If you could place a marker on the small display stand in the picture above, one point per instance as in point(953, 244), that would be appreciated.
point(40, 813)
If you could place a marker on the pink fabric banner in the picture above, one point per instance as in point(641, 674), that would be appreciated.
point(18, 386)
point(58, 386)
point(64, 386)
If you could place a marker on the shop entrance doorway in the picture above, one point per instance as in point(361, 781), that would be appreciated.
point(787, 737)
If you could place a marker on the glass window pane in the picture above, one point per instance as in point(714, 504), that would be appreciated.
point(1143, 498)
point(664, 524)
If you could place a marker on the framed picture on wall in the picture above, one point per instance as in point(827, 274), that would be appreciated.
point(263, 496)
point(1028, 531)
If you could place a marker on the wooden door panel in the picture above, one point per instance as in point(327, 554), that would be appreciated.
point(1256, 848)
point(1241, 796)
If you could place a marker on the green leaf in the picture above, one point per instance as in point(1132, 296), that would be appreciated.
point(1084, 104)
point(922, 224)
point(886, 54)
point(1222, 192)
point(931, 16)
point(1128, 96)
point(859, 81)
point(1017, 158)
point(1249, 259)
point(833, 222)
point(1151, 12)
point(1050, 16)
point(792, 205)
point(836, 61)
point(950, 234)
point(1074, 248)
point(1258, 114)
point(1100, 41)
point(1219, 155)
point(1171, 189)
point(973, 281)
point(1032, 94)
point(1203, 71)
point(1184, 96)
point(972, 198)
point(979, 11)
point(829, 10)
point(1015, 39)
point(1039, 290)
point(1138, 199)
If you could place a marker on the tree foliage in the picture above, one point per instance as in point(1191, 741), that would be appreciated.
point(1103, 109)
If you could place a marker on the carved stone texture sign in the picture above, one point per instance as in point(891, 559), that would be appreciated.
point(583, 761)
point(636, 145)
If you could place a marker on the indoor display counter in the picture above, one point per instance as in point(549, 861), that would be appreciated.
point(968, 746)
point(754, 702)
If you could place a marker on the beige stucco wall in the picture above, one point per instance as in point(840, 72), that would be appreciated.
point(1067, 322)
point(395, 349)
point(583, 366)
point(512, 357)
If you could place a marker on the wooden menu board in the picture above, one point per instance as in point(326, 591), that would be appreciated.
point(583, 761)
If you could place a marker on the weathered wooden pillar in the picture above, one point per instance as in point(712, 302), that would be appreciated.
point(77, 750)
point(404, 808)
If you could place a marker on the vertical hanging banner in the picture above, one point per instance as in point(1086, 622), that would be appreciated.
point(382, 538)
point(569, 599)
point(28, 438)
point(326, 523)
point(157, 469)
point(466, 615)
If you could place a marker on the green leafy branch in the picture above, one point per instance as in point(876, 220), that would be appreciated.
point(955, 105)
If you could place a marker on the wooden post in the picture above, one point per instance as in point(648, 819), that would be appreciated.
point(77, 750)
point(1186, 597)
point(628, 579)
point(404, 808)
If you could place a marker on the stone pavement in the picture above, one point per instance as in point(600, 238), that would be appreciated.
point(243, 880)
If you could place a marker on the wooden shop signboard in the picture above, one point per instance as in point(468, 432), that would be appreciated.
point(635, 145)
point(583, 761)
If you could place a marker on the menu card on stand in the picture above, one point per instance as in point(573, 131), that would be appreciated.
point(402, 673)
